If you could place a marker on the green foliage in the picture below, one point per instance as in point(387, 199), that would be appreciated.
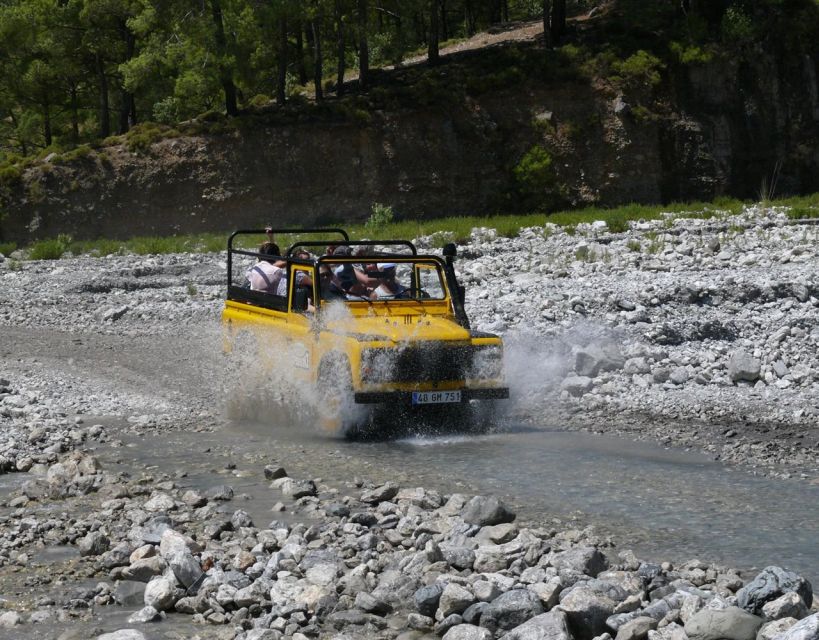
point(6, 248)
point(141, 137)
point(535, 174)
point(381, 216)
point(691, 54)
point(641, 70)
point(738, 27)
point(52, 249)
point(634, 245)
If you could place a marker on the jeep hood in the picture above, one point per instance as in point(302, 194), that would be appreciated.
point(399, 328)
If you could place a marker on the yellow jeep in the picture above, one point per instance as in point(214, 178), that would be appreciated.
point(373, 326)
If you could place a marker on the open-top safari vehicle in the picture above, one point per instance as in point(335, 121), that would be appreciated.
point(373, 325)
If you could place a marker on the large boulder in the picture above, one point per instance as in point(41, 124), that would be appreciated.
point(770, 584)
point(486, 510)
point(454, 599)
point(427, 598)
point(593, 359)
point(511, 609)
point(788, 605)
point(731, 623)
point(546, 626)
point(160, 594)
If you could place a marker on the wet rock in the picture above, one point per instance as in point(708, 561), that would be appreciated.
point(731, 623)
point(160, 594)
point(93, 544)
point(486, 510)
point(122, 634)
point(222, 493)
point(130, 593)
point(383, 493)
point(272, 472)
point(145, 569)
point(144, 615)
point(770, 584)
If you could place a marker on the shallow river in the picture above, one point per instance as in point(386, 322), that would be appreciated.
point(665, 504)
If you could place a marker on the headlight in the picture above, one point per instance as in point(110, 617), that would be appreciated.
point(487, 362)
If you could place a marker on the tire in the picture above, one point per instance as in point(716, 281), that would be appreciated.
point(335, 397)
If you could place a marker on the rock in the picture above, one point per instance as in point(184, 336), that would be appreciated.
point(272, 472)
point(788, 605)
point(160, 594)
point(129, 593)
point(636, 629)
point(160, 502)
point(454, 599)
point(589, 362)
point(467, 632)
point(427, 598)
point(368, 603)
point(772, 629)
point(546, 626)
point(220, 492)
point(9, 619)
point(145, 569)
point(194, 499)
point(585, 560)
point(577, 386)
point(296, 488)
point(146, 614)
point(93, 544)
point(380, 494)
point(446, 624)
point(731, 623)
point(743, 366)
point(240, 518)
point(770, 584)
point(806, 629)
point(588, 605)
point(510, 610)
point(483, 511)
point(122, 634)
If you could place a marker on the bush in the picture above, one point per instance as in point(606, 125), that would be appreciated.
point(50, 249)
point(737, 27)
point(6, 248)
point(381, 216)
point(535, 173)
point(641, 70)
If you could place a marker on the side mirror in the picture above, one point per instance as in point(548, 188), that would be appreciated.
point(300, 296)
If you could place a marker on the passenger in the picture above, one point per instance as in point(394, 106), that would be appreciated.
point(389, 287)
point(302, 278)
point(352, 277)
point(266, 274)
point(329, 287)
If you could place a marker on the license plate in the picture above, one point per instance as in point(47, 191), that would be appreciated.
point(435, 397)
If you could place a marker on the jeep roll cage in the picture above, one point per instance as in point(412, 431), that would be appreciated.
point(446, 263)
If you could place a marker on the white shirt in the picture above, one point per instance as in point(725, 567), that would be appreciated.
point(264, 276)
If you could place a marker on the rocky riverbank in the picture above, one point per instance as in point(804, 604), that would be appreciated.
point(697, 333)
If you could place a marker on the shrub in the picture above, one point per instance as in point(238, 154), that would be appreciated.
point(6, 248)
point(534, 173)
point(50, 249)
point(691, 54)
point(641, 70)
point(380, 217)
point(737, 27)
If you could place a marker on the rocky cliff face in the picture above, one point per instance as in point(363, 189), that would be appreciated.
point(720, 128)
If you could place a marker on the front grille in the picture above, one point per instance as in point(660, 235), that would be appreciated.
point(433, 362)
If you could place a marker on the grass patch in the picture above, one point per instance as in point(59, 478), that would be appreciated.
point(451, 229)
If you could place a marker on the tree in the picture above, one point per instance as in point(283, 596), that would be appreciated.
point(225, 72)
point(341, 62)
point(432, 46)
point(363, 45)
point(558, 21)
point(547, 24)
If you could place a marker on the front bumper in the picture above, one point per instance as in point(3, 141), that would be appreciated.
point(405, 397)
